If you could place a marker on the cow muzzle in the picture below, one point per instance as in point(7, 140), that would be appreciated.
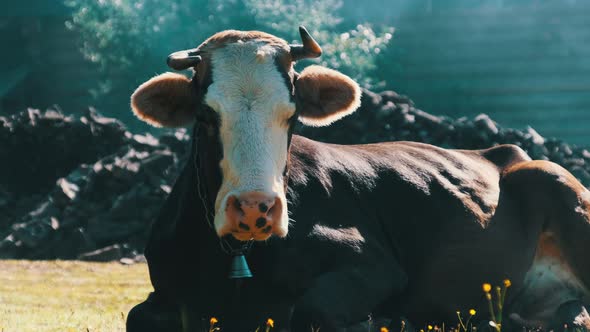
point(253, 216)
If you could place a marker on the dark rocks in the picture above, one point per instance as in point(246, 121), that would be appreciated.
point(487, 125)
point(532, 135)
point(86, 188)
point(102, 188)
point(39, 147)
point(107, 254)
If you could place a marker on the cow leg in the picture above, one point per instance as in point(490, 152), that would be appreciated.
point(153, 315)
point(341, 299)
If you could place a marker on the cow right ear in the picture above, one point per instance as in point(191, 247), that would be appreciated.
point(324, 95)
point(167, 100)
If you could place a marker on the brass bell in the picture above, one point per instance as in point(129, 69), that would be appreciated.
point(239, 267)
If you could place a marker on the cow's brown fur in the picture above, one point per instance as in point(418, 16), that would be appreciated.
point(325, 95)
point(552, 191)
point(166, 100)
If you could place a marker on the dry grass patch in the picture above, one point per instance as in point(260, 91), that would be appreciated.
point(69, 295)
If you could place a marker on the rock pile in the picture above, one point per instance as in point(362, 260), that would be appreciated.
point(83, 187)
point(102, 187)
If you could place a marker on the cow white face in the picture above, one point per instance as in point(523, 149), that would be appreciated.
point(254, 106)
point(249, 87)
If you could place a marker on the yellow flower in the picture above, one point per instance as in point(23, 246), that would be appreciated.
point(507, 283)
point(213, 321)
point(384, 329)
point(429, 327)
point(472, 312)
point(487, 287)
point(270, 322)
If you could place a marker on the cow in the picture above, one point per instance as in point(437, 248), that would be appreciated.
point(341, 237)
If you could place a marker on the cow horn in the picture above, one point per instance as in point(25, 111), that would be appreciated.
point(309, 49)
point(184, 59)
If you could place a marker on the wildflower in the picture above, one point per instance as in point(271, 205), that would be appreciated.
point(472, 312)
point(429, 327)
point(384, 329)
point(270, 322)
point(507, 283)
point(487, 287)
point(213, 321)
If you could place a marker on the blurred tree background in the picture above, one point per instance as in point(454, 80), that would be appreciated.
point(524, 62)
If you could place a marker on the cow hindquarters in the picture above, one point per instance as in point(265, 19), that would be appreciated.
point(154, 315)
point(565, 205)
point(560, 272)
point(570, 225)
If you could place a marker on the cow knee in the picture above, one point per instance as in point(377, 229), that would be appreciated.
point(151, 316)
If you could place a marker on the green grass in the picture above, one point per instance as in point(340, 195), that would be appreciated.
point(69, 295)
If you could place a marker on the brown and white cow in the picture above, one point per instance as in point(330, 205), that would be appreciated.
point(392, 230)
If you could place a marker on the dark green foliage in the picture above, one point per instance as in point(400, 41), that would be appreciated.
point(130, 39)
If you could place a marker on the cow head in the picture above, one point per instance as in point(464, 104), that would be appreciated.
point(245, 86)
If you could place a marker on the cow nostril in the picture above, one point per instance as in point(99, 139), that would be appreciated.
point(273, 209)
point(253, 212)
point(260, 222)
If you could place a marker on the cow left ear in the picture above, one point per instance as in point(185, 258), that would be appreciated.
point(167, 100)
point(324, 95)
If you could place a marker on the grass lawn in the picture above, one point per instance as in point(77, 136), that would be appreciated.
point(68, 296)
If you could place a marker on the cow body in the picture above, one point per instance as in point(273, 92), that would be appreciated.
point(386, 230)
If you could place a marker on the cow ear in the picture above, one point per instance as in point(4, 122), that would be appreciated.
point(167, 100)
point(325, 95)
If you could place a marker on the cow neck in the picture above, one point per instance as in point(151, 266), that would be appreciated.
point(207, 155)
point(203, 170)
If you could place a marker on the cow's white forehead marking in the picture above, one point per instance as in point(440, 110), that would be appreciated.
point(246, 73)
point(253, 101)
